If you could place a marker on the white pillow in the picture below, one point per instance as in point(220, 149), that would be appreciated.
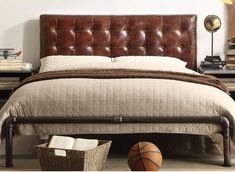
point(59, 62)
point(149, 66)
point(157, 60)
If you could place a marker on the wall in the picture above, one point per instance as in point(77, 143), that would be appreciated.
point(20, 25)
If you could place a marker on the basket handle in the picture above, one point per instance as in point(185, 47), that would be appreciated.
point(60, 152)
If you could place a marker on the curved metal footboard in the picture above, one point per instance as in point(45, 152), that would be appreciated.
point(11, 121)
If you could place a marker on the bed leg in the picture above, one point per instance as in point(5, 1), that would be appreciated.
point(226, 141)
point(9, 142)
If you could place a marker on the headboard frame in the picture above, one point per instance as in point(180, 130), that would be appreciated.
point(159, 35)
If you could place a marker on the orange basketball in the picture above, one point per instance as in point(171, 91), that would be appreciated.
point(144, 156)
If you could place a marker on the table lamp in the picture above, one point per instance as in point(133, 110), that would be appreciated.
point(212, 24)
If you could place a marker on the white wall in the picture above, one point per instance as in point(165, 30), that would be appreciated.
point(20, 19)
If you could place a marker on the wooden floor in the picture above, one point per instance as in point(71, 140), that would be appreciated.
point(119, 163)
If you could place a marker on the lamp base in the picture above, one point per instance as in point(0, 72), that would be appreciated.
point(212, 58)
point(213, 62)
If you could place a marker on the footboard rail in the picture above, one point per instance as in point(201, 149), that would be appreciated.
point(11, 121)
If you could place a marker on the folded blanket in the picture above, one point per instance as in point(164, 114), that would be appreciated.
point(126, 73)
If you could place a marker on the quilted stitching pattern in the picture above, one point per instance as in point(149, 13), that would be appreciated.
point(125, 97)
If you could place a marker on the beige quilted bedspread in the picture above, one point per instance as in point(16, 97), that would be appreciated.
point(114, 97)
point(125, 97)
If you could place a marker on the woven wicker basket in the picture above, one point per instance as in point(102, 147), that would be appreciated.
point(90, 160)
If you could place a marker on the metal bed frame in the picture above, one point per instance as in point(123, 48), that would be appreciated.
point(48, 27)
point(11, 121)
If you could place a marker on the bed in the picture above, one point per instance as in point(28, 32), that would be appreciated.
point(117, 104)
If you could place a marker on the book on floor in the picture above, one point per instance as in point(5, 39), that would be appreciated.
point(64, 142)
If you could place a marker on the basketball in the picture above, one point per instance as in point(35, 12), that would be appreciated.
point(144, 156)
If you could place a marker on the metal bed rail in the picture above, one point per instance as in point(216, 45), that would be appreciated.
point(11, 121)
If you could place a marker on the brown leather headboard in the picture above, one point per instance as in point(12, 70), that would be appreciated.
point(162, 35)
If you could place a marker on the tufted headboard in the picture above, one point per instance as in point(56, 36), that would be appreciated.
point(163, 35)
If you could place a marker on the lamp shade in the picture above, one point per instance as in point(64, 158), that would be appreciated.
point(228, 1)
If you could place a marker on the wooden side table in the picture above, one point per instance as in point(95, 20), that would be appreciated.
point(13, 77)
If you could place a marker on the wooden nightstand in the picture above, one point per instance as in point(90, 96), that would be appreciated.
point(9, 79)
point(224, 74)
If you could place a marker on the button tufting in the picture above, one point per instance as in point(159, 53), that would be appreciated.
point(129, 35)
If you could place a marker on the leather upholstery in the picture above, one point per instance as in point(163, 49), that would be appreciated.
point(169, 35)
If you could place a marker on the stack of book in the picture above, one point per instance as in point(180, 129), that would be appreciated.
point(231, 59)
point(229, 82)
point(11, 64)
point(231, 43)
point(8, 83)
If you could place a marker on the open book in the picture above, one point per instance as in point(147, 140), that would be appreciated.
point(62, 142)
